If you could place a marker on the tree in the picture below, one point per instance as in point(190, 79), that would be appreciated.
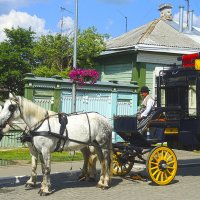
point(16, 58)
point(53, 52)
point(90, 45)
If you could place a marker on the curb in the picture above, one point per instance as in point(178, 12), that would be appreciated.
point(13, 180)
point(19, 180)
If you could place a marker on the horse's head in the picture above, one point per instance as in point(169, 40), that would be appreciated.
point(5, 129)
point(9, 112)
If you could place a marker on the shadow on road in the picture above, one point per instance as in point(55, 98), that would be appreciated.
point(189, 167)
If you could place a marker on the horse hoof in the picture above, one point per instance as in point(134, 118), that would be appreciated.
point(103, 187)
point(42, 193)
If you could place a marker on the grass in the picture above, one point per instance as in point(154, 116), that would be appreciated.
point(23, 155)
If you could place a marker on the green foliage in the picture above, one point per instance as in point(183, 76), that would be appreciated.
point(90, 45)
point(16, 58)
point(49, 55)
point(53, 52)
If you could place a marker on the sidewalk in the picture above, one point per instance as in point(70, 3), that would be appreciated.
point(13, 174)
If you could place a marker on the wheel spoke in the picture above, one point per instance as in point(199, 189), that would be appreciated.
point(168, 167)
point(156, 171)
point(171, 162)
point(154, 163)
point(166, 153)
point(169, 157)
point(162, 176)
point(156, 167)
point(158, 175)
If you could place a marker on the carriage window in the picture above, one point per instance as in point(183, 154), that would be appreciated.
point(162, 97)
point(192, 104)
point(177, 96)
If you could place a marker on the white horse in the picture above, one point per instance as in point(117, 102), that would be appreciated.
point(81, 130)
point(88, 171)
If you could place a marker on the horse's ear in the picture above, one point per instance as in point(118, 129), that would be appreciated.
point(12, 96)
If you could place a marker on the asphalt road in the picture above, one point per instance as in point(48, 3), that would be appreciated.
point(185, 186)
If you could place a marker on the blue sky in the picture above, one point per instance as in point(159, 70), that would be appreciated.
point(108, 16)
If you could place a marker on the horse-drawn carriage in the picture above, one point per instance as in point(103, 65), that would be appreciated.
point(175, 122)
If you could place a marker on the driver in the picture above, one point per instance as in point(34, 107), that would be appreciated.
point(147, 105)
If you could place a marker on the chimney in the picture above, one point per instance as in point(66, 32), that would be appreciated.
point(190, 23)
point(165, 11)
point(181, 19)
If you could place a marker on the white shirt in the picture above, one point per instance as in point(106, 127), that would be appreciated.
point(150, 104)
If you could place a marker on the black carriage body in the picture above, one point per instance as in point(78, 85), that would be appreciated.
point(180, 88)
point(177, 115)
point(126, 127)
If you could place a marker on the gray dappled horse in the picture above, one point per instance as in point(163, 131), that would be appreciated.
point(81, 130)
point(88, 171)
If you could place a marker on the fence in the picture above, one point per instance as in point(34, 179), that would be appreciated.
point(106, 98)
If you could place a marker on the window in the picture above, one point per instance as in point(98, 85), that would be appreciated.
point(192, 103)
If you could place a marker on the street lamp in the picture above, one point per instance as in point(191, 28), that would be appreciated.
point(73, 107)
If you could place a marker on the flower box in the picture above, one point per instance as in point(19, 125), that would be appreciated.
point(83, 76)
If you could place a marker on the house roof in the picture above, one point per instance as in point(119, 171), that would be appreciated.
point(157, 34)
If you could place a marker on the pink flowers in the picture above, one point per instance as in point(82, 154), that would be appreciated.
point(82, 76)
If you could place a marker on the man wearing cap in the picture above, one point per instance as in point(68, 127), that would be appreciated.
point(147, 103)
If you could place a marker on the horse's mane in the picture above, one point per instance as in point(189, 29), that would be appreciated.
point(30, 108)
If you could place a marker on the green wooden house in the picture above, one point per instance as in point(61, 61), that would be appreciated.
point(140, 54)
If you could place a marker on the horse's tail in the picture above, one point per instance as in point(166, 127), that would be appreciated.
point(111, 157)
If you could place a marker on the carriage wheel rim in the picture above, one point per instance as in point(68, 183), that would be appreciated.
point(162, 165)
point(120, 169)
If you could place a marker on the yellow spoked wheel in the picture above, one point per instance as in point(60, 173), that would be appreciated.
point(161, 165)
point(121, 164)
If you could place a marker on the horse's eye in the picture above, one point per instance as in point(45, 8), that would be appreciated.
point(12, 108)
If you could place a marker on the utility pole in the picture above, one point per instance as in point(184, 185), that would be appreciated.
point(126, 20)
point(126, 23)
point(188, 8)
point(73, 105)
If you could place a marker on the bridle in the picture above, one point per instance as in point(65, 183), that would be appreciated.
point(12, 108)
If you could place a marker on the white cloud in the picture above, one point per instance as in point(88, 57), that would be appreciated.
point(21, 19)
point(196, 19)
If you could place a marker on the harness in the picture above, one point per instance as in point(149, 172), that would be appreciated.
point(27, 135)
point(63, 132)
